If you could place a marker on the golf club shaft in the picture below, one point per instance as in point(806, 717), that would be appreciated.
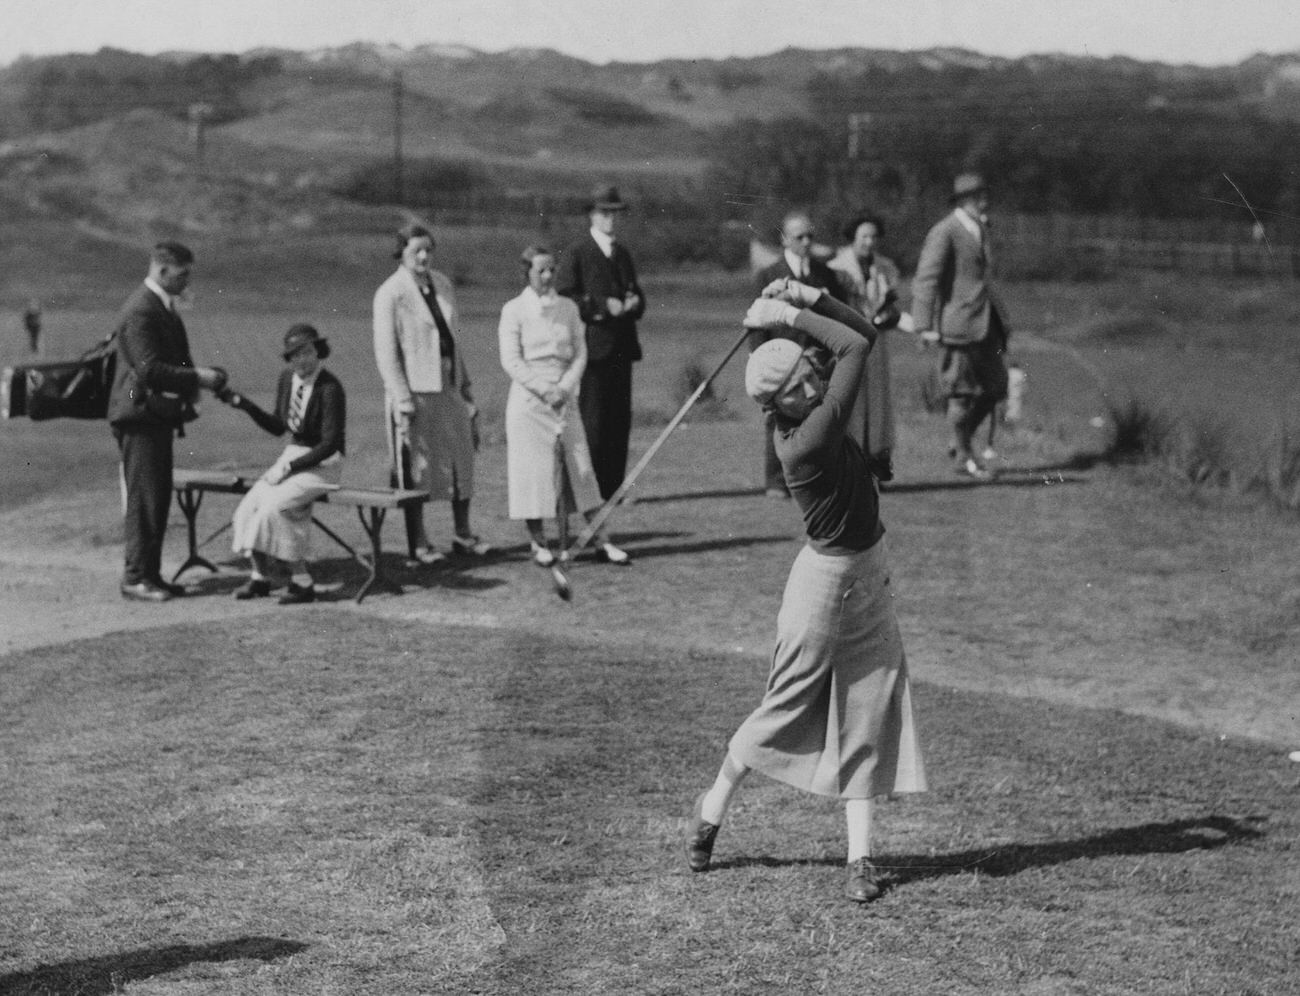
point(607, 509)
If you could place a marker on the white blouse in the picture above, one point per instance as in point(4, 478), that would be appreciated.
point(543, 342)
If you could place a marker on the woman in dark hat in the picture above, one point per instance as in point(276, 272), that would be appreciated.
point(429, 406)
point(274, 519)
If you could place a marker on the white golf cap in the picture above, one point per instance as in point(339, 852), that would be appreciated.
point(769, 367)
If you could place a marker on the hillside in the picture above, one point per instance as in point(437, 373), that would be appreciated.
point(108, 141)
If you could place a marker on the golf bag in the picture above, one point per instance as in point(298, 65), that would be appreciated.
point(71, 389)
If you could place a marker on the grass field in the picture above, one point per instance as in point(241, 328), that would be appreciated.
point(330, 803)
point(472, 788)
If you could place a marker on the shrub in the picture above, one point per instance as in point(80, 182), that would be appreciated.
point(1138, 432)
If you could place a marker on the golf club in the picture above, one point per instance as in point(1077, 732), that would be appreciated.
point(607, 509)
point(558, 577)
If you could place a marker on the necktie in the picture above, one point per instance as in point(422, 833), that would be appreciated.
point(296, 407)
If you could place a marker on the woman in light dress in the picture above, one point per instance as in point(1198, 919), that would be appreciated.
point(543, 349)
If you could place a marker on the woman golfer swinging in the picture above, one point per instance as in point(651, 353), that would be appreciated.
point(836, 719)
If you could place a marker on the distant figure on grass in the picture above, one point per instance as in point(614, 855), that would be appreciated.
point(154, 389)
point(836, 719)
point(32, 323)
point(274, 519)
point(544, 350)
point(797, 262)
point(432, 422)
point(955, 305)
point(871, 282)
point(598, 274)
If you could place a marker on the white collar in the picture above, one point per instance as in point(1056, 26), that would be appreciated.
point(606, 242)
point(308, 382)
point(799, 265)
point(969, 222)
point(542, 299)
point(162, 295)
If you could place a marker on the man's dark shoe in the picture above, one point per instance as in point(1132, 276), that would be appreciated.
point(298, 594)
point(700, 835)
point(145, 591)
point(864, 881)
point(255, 588)
point(175, 590)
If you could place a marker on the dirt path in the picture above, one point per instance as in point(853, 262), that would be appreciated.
point(1070, 586)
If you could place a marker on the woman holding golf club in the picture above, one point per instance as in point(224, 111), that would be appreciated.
point(836, 719)
point(543, 349)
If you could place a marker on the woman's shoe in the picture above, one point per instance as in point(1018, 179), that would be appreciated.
point(427, 556)
point(608, 553)
point(298, 594)
point(470, 546)
point(542, 555)
point(864, 883)
point(255, 588)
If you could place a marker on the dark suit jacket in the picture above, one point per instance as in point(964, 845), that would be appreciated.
point(323, 422)
point(153, 352)
point(819, 275)
point(589, 277)
point(951, 290)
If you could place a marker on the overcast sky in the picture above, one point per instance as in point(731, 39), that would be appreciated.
point(1206, 32)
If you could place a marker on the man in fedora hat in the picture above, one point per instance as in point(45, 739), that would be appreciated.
point(955, 305)
point(597, 273)
point(274, 519)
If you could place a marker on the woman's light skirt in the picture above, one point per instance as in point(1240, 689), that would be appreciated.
point(836, 719)
point(275, 519)
point(532, 426)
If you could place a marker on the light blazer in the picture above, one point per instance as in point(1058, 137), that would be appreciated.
point(408, 351)
point(950, 291)
point(589, 277)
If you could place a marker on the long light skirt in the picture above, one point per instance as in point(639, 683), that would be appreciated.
point(441, 455)
point(275, 519)
point(836, 719)
point(532, 426)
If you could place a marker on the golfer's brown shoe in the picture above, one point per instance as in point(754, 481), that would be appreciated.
point(700, 835)
point(864, 881)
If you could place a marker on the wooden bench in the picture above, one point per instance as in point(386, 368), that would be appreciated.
point(372, 505)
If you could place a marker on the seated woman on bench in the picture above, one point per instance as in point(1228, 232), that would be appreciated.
point(274, 518)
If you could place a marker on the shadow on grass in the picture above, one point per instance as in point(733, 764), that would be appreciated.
point(700, 495)
point(1019, 477)
point(1205, 834)
point(108, 974)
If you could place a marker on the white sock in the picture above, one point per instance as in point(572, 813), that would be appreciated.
point(302, 580)
point(857, 813)
point(714, 807)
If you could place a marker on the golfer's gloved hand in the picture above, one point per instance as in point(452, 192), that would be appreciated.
point(769, 312)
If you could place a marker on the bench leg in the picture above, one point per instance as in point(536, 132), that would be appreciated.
point(372, 521)
point(189, 502)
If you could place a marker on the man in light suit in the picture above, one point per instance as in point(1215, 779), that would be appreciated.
point(597, 273)
point(798, 263)
point(955, 306)
point(155, 385)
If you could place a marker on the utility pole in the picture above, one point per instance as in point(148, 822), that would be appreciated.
point(199, 114)
point(398, 183)
point(859, 126)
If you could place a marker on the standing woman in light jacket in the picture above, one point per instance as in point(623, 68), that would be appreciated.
point(544, 350)
point(428, 404)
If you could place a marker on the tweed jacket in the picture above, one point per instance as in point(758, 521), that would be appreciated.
point(588, 276)
point(951, 290)
point(153, 354)
point(408, 349)
point(323, 423)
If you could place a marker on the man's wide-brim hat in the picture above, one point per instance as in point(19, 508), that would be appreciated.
point(605, 198)
point(967, 184)
point(302, 334)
